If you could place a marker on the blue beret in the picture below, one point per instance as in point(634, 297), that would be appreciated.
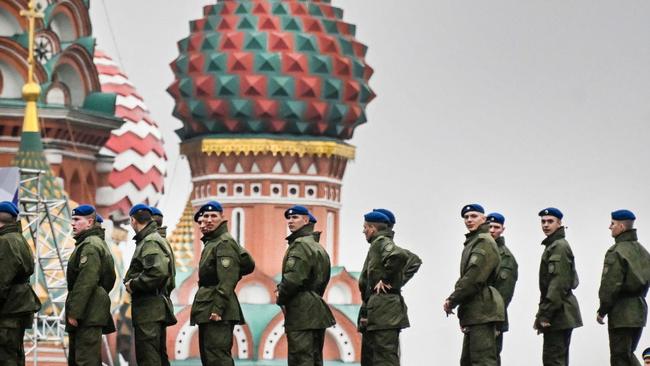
point(471, 207)
point(9, 207)
point(83, 210)
point(388, 214)
point(212, 206)
point(296, 210)
point(139, 207)
point(496, 217)
point(99, 219)
point(646, 353)
point(622, 215)
point(198, 214)
point(551, 211)
point(312, 219)
point(376, 216)
point(155, 211)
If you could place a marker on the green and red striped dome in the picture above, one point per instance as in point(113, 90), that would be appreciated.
point(271, 67)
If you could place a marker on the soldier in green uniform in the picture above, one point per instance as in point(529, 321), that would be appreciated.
point(480, 306)
point(149, 280)
point(646, 357)
point(18, 302)
point(216, 308)
point(383, 312)
point(91, 277)
point(558, 312)
point(508, 273)
point(305, 275)
point(158, 218)
point(623, 288)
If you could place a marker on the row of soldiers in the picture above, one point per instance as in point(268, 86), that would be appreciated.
point(488, 275)
point(216, 310)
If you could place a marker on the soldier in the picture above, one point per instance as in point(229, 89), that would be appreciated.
point(623, 288)
point(148, 280)
point(216, 308)
point(157, 216)
point(558, 312)
point(91, 277)
point(18, 302)
point(305, 275)
point(646, 357)
point(383, 313)
point(481, 307)
point(508, 273)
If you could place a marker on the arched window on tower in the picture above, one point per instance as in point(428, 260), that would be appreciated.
point(329, 234)
point(237, 225)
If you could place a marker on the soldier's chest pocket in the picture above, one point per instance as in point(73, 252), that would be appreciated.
point(505, 272)
point(609, 262)
point(554, 264)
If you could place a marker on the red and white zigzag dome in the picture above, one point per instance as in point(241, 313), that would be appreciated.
point(138, 171)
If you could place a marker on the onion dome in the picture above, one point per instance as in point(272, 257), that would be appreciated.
point(138, 171)
point(271, 67)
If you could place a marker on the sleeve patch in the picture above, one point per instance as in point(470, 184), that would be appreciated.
point(226, 262)
point(291, 262)
point(473, 259)
point(83, 259)
point(389, 247)
point(151, 260)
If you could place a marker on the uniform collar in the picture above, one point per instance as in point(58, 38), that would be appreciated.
point(557, 235)
point(151, 227)
point(501, 241)
point(483, 228)
point(14, 227)
point(388, 233)
point(92, 231)
point(220, 230)
point(306, 230)
point(629, 235)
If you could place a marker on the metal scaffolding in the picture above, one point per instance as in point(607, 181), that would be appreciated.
point(46, 219)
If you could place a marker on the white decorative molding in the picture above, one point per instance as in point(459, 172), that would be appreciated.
point(293, 178)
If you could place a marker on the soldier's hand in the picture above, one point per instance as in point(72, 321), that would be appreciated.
point(382, 287)
point(128, 286)
point(73, 322)
point(215, 317)
point(363, 322)
point(600, 319)
point(544, 324)
point(447, 307)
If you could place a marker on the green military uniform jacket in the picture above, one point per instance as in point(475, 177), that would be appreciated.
point(385, 262)
point(91, 277)
point(151, 274)
point(507, 277)
point(305, 275)
point(624, 283)
point(18, 301)
point(557, 279)
point(218, 277)
point(479, 302)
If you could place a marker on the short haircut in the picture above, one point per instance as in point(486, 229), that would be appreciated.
point(628, 224)
point(378, 225)
point(6, 218)
point(158, 219)
point(142, 216)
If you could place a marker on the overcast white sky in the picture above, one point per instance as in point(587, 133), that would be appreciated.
point(514, 104)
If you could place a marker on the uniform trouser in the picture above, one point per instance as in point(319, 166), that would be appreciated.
point(622, 344)
point(85, 346)
point(306, 347)
point(215, 343)
point(380, 347)
point(366, 349)
point(12, 351)
point(479, 345)
point(499, 347)
point(150, 344)
point(556, 347)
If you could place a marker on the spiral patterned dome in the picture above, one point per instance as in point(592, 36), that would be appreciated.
point(138, 171)
point(271, 67)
